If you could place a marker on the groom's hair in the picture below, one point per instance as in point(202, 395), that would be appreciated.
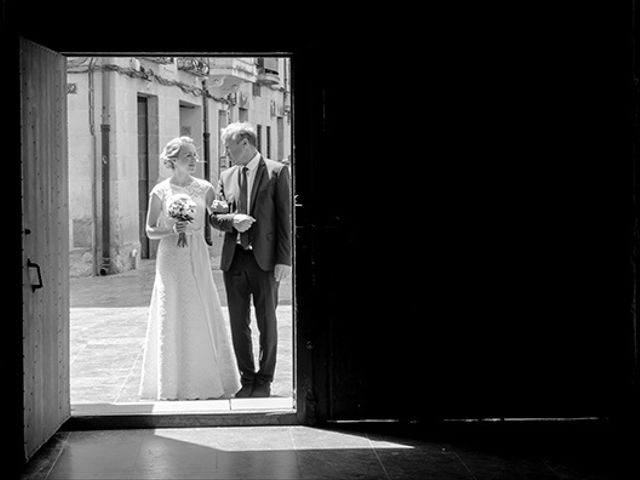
point(239, 130)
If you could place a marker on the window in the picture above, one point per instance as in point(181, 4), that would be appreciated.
point(256, 90)
point(267, 64)
point(244, 115)
point(270, 65)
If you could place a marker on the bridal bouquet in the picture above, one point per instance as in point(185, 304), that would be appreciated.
point(183, 209)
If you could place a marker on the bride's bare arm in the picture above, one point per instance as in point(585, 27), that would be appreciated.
point(154, 232)
point(209, 198)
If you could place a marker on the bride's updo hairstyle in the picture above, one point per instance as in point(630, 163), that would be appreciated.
point(172, 150)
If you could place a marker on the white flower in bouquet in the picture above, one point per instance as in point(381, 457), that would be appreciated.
point(183, 209)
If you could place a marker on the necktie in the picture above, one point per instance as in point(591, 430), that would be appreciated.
point(242, 205)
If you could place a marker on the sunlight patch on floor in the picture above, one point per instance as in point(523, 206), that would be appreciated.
point(274, 438)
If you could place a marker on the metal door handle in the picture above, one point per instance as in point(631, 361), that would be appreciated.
point(31, 264)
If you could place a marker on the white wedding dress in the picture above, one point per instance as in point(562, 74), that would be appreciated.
point(188, 353)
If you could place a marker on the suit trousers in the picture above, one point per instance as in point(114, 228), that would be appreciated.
point(243, 281)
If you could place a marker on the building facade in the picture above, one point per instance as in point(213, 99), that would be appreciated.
point(121, 113)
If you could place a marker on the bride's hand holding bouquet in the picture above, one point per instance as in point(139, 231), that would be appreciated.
point(182, 209)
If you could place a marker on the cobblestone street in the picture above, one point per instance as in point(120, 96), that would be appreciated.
point(108, 327)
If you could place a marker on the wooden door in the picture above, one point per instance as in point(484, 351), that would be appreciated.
point(473, 282)
point(45, 223)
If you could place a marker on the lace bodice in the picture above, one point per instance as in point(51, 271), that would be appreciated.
point(197, 190)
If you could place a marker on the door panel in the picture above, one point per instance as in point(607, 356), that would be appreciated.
point(448, 281)
point(45, 252)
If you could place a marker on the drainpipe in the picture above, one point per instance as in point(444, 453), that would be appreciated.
point(105, 129)
point(94, 165)
point(284, 96)
point(207, 163)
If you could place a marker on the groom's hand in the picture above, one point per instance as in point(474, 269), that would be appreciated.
point(219, 206)
point(281, 271)
point(242, 222)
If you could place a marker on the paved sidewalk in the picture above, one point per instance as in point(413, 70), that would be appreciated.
point(133, 288)
point(108, 328)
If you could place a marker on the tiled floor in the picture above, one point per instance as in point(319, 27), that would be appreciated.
point(107, 346)
point(108, 328)
point(300, 452)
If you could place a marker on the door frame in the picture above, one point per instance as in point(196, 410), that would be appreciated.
point(304, 399)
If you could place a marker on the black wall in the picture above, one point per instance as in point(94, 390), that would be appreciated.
point(470, 200)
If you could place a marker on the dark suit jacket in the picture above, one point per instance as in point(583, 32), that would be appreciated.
point(270, 234)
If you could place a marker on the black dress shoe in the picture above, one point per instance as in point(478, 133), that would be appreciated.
point(261, 390)
point(245, 391)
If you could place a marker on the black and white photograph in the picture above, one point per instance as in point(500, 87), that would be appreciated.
point(315, 242)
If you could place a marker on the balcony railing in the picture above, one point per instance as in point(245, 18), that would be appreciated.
point(268, 77)
point(268, 71)
point(195, 65)
point(230, 70)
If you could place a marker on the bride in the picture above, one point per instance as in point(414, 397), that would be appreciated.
point(188, 353)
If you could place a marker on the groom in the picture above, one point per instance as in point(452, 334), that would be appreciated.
point(256, 254)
